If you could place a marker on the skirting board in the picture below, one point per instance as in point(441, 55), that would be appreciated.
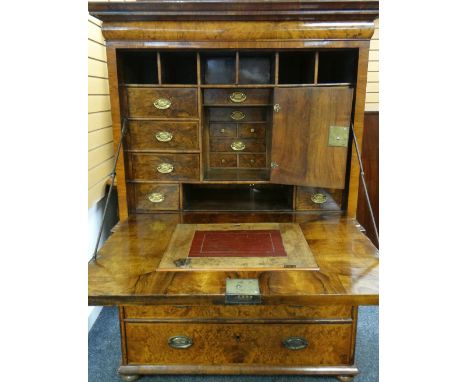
point(93, 315)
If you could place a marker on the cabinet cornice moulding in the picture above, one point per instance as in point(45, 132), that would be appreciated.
point(318, 10)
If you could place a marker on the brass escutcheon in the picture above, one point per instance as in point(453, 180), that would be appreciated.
point(238, 97)
point(156, 197)
point(237, 146)
point(319, 198)
point(165, 168)
point(162, 103)
point(277, 107)
point(237, 115)
point(164, 136)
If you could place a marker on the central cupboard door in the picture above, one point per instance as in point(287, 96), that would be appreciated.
point(300, 150)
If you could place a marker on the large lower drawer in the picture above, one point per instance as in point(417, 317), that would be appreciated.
point(159, 135)
point(162, 102)
point(214, 344)
point(165, 167)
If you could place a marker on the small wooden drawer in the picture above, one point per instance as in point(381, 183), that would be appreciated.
point(165, 167)
point(162, 102)
point(252, 160)
point(226, 130)
point(240, 312)
point(237, 96)
point(156, 197)
point(157, 135)
point(211, 344)
point(237, 114)
point(309, 198)
point(237, 145)
point(223, 160)
point(252, 130)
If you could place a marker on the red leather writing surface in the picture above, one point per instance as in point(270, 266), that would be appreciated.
point(242, 243)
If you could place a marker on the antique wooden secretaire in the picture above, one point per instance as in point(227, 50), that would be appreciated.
point(237, 250)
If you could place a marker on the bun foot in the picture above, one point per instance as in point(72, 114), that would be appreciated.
point(345, 378)
point(129, 377)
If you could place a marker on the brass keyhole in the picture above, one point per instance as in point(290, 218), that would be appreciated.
point(237, 337)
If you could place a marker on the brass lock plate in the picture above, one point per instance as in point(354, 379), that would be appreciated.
point(338, 136)
point(242, 291)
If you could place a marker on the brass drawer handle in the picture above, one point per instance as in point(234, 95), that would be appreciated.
point(180, 342)
point(237, 115)
point(162, 103)
point(165, 168)
point(164, 136)
point(295, 343)
point(318, 198)
point(237, 146)
point(238, 97)
point(156, 197)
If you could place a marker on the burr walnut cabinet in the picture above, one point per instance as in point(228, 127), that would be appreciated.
point(237, 116)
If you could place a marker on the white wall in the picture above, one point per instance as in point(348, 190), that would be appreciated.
point(94, 219)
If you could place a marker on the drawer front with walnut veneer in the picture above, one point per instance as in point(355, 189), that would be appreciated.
point(236, 145)
point(237, 97)
point(326, 199)
point(162, 103)
point(155, 197)
point(211, 344)
point(237, 114)
point(161, 135)
point(240, 312)
point(165, 167)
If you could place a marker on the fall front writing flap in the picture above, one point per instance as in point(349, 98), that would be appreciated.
point(310, 136)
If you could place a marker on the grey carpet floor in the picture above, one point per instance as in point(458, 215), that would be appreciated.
point(104, 354)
